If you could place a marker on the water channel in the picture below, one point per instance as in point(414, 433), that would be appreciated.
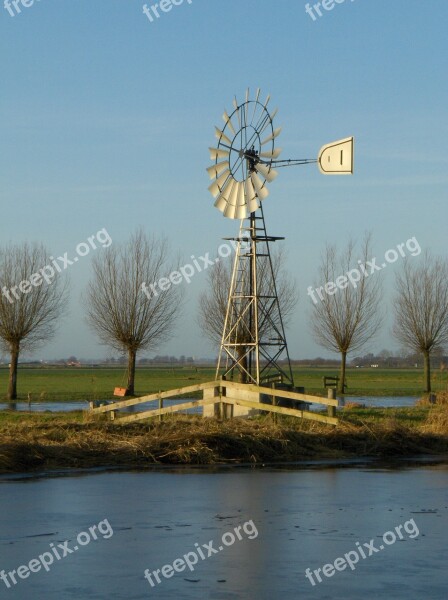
point(290, 518)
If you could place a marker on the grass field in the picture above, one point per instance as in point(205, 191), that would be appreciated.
point(64, 384)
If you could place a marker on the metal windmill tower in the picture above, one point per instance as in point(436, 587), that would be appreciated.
point(253, 342)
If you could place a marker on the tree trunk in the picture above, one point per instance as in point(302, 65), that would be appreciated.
point(427, 370)
point(132, 354)
point(12, 383)
point(341, 386)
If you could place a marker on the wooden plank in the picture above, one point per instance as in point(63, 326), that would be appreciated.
point(292, 412)
point(279, 393)
point(156, 396)
point(331, 409)
point(147, 414)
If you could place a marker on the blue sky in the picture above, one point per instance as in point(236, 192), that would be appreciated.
point(106, 119)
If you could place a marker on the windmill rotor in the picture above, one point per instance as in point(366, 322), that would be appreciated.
point(242, 168)
point(245, 157)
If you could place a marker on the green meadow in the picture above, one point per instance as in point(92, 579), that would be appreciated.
point(65, 384)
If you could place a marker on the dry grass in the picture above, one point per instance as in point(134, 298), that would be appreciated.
point(437, 421)
point(441, 399)
point(36, 443)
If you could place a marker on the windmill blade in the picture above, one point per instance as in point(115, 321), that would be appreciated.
point(215, 170)
point(261, 190)
point(241, 212)
point(246, 107)
point(271, 155)
point(237, 111)
point(241, 207)
point(221, 203)
point(228, 122)
point(268, 172)
point(216, 153)
point(254, 205)
point(250, 190)
point(268, 120)
point(241, 204)
point(233, 196)
point(267, 101)
point(230, 211)
point(221, 136)
point(264, 124)
point(275, 134)
point(223, 199)
point(230, 208)
point(257, 97)
point(251, 196)
point(217, 186)
point(238, 116)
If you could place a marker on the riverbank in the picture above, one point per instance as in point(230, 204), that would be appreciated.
point(30, 442)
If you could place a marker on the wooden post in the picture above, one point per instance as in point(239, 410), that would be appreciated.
point(221, 404)
point(112, 415)
point(274, 403)
point(160, 405)
point(331, 396)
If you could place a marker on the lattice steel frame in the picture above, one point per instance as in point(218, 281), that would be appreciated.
point(253, 340)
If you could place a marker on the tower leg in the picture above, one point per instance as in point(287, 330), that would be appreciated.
point(253, 344)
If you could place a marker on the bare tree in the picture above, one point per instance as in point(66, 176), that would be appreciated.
point(124, 310)
point(346, 315)
point(33, 298)
point(421, 308)
point(213, 302)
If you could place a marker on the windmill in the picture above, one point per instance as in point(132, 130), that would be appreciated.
point(245, 159)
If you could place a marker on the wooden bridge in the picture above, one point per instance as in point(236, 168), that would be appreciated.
point(222, 397)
